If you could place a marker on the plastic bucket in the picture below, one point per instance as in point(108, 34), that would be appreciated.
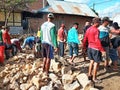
point(2, 48)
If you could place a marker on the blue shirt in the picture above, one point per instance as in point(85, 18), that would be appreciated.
point(104, 31)
point(73, 36)
point(30, 39)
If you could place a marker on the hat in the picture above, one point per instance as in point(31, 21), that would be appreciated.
point(115, 25)
point(106, 19)
point(50, 15)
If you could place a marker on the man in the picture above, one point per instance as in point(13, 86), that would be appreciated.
point(49, 41)
point(73, 42)
point(94, 49)
point(30, 41)
point(104, 38)
point(87, 25)
point(7, 42)
point(61, 40)
point(16, 45)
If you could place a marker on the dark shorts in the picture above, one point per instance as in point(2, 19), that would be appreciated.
point(113, 54)
point(47, 51)
point(95, 55)
point(115, 42)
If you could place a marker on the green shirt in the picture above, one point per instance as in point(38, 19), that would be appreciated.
point(1, 39)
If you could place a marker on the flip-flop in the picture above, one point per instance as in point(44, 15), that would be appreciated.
point(97, 81)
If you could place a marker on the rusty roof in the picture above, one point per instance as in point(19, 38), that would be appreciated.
point(64, 7)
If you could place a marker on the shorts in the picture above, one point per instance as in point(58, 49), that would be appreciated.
point(115, 42)
point(47, 51)
point(95, 55)
point(113, 54)
point(107, 53)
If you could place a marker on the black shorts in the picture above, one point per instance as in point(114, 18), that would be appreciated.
point(95, 55)
point(115, 42)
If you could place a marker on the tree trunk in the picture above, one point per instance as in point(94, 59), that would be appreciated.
point(7, 17)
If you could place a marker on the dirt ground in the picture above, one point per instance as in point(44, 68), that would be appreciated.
point(110, 79)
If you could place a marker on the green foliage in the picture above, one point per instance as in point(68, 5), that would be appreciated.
point(10, 5)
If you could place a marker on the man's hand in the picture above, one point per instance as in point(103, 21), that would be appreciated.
point(56, 49)
point(103, 54)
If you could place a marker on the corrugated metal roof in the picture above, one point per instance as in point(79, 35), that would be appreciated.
point(64, 7)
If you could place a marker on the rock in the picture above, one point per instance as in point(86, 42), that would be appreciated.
point(24, 79)
point(74, 86)
point(14, 85)
point(30, 57)
point(66, 70)
point(25, 86)
point(35, 81)
point(67, 79)
point(53, 77)
point(6, 80)
point(49, 87)
point(15, 58)
point(32, 88)
point(83, 80)
point(55, 66)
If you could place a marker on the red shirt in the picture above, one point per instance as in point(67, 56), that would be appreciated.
point(92, 36)
point(61, 34)
point(6, 37)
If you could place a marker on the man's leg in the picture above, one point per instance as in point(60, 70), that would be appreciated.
point(47, 66)
point(70, 51)
point(44, 64)
point(90, 68)
point(95, 70)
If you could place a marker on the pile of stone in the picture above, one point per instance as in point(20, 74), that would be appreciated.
point(26, 74)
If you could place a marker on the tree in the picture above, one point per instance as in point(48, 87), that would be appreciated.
point(8, 6)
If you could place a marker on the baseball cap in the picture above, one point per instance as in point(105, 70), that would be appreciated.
point(105, 19)
point(50, 15)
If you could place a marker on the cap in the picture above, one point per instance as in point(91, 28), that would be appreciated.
point(50, 15)
point(106, 19)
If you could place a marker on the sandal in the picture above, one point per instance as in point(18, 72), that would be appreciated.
point(90, 77)
point(115, 69)
point(97, 81)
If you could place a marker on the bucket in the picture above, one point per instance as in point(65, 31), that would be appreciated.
point(2, 48)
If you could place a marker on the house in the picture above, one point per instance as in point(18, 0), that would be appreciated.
point(64, 12)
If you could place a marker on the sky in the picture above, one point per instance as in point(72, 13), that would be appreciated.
point(103, 7)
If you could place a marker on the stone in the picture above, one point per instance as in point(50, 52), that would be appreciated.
point(55, 66)
point(74, 86)
point(66, 70)
point(25, 86)
point(35, 81)
point(83, 80)
point(67, 79)
point(32, 88)
point(53, 77)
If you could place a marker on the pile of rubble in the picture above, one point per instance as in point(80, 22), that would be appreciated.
point(26, 74)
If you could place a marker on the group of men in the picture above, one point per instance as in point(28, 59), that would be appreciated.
point(96, 42)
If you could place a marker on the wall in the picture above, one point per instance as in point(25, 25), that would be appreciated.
point(68, 20)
